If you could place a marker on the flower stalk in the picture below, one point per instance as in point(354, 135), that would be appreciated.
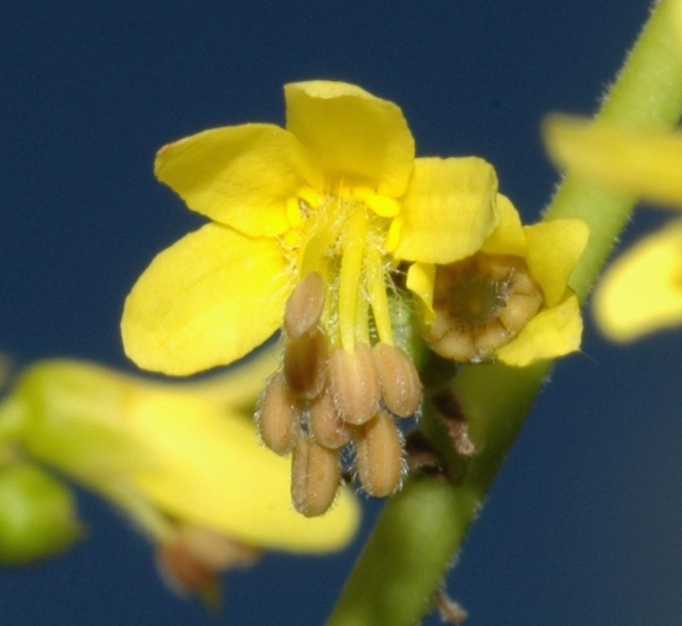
point(422, 528)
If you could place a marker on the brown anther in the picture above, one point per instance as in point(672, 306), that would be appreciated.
point(305, 363)
point(379, 456)
point(305, 305)
point(401, 388)
point(315, 476)
point(354, 384)
point(182, 571)
point(278, 416)
point(481, 303)
point(328, 429)
point(216, 551)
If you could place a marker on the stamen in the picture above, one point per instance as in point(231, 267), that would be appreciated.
point(354, 384)
point(393, 236)
point(377, 295)
point(383, 206)
point(400, 385)
point(305, 361)
point(351, 268)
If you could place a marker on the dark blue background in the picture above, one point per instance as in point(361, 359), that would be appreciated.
point(584, 524)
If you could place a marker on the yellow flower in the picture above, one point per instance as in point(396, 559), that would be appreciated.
point(338, 192)
point(642, 291)
point(173, 456)
point(510, 301)
point(309, 226)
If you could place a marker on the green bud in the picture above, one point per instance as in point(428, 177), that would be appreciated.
point(37, 515)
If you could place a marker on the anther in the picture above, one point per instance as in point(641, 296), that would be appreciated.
point(278, 416)
point(354, 384)
point(328, 429)
point(379, 456)
point(315, 476)
point(305, 360)
point(305, 305)
point(400, 385)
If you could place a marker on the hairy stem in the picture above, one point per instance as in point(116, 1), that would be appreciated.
point(421, 530)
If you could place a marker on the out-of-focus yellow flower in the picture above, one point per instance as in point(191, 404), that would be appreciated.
point(646, 164)
point(642, 291)
point(338, 193)
point(511, 301)
point(171, 452)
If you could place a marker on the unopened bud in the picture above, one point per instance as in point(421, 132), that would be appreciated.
point(354, 384)
point(37, 515)
point(400, 385)
point(278, 416)
point(305, 362)
point(305, 306)
point(315, 477)
point(328, 429)
point(456, 344)
point(490, 337)
point(380, 456)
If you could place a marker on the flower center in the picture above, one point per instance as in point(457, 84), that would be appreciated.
point(343, 379)
point(481, 303)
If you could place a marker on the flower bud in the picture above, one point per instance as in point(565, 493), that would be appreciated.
point(37, 515)
point(380, 456)
point(315, 477)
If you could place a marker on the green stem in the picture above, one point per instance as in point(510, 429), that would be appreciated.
point(422, 528)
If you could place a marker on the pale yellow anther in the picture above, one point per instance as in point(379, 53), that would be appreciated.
point(311, 197)
point(383, 206)
point(294, 214)
point(315, 477)
point(277, 416)
point(328, 429)
point(393, 235)
point(401, 388)
point(305, 364)
point(379, 456)
point(305, 305)
point(354, 384)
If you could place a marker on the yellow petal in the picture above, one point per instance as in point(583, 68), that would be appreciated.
point(207, 300)
point(354, 136)
point(421, 277)
point(508, 237)
point(240, 176)
point(643, 163)
point(217, 474)
point(552, 333)
point(554, 248)
point(642, 291)
point(449, 209)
